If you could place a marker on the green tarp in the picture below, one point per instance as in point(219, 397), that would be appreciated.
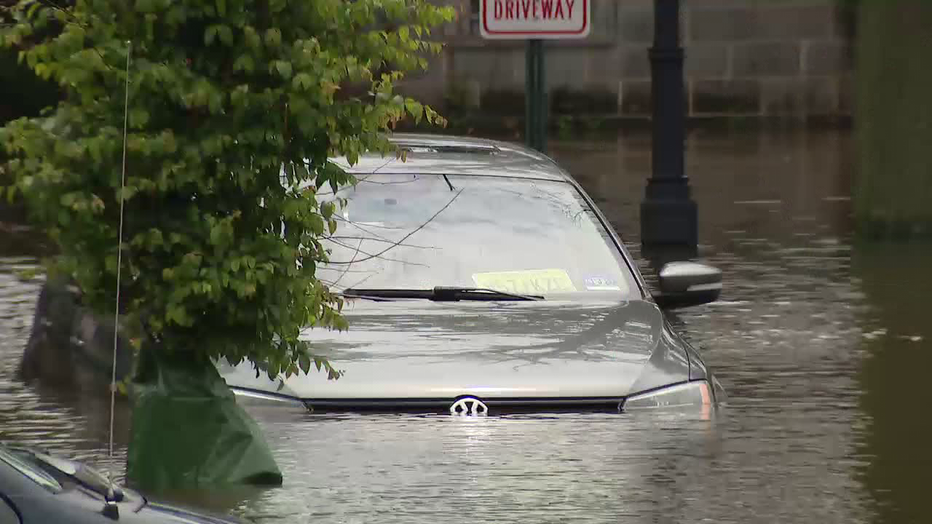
point(188, 431)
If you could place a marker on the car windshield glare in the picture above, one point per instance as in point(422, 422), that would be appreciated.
point(521, 236)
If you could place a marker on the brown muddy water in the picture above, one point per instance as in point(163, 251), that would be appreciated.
point(823, 346)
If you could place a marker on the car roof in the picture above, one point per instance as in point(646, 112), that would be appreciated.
point(457, 155)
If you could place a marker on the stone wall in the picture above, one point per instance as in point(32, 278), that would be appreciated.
point(743, 57)
point(894, 171)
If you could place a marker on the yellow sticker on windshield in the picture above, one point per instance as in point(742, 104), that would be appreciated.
point(531, 282)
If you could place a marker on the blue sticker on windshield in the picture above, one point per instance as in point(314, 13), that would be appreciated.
point(601, 284)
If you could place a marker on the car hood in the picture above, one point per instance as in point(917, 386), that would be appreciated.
point(418, 350)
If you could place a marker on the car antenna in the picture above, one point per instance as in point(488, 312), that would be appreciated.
point(113, 496)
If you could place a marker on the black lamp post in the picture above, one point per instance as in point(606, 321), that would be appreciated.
point(668, 213)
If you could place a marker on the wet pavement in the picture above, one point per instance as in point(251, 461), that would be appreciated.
point(823, 346)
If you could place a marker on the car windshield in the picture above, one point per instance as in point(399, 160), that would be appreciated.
point(23, 463)
point(514, 235)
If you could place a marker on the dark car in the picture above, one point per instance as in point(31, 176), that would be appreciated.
point(479, 277)
point(39, 488)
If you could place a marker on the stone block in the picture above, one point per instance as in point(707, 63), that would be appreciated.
point(473, 91)
point(493, 67)
point(427, 86)
point(707, 60)
point(717, 21)
point(604, 19)
point(822, 96)
point(637, 5)
point(783, 96)
point(634, 97)
point(592, 99)
point(780, 21)
point(846, 101)
point(565, 67)
point(603, 65)
point(505, 102)
point(634, 62)
point(636, 25)
point(846, 21)
point(719, 4)
point(721, 24)
point(827, 57)
point(766, 59)
point(464, 94)
point(724, 97)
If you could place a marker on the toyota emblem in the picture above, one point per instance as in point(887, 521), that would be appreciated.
point(469, 406)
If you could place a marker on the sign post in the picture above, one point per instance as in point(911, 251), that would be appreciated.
point(534, 21)
point(536, 107)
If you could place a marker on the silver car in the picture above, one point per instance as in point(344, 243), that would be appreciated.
point(480, 278)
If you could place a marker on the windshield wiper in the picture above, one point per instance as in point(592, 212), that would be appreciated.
point(440, 294)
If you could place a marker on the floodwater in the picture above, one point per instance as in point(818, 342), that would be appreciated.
point(822, 345)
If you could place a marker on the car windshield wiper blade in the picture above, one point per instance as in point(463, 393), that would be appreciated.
point(439, 294)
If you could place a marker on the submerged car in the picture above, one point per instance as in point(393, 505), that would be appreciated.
point(40, 488)
point(480, 278)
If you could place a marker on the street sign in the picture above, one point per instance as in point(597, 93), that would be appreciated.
point(534, 19)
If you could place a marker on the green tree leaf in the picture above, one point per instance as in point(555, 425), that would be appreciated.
point(414, 108)
point(273, 37)
point(283, 68)
point(210, 34)
point(305, 362)
point(226, 34)
point(244, 63)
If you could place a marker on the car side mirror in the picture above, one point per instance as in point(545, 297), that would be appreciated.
point(684, 284)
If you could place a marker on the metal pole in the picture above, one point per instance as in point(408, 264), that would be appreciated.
point(535, 127)
point(668, 213)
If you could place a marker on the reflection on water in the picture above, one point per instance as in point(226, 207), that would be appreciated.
point(38, 415)
point(898, 339)
point(821, 358)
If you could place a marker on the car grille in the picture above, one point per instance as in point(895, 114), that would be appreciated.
point(442, 405)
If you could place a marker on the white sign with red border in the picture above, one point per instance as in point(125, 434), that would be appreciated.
point(526, 19)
